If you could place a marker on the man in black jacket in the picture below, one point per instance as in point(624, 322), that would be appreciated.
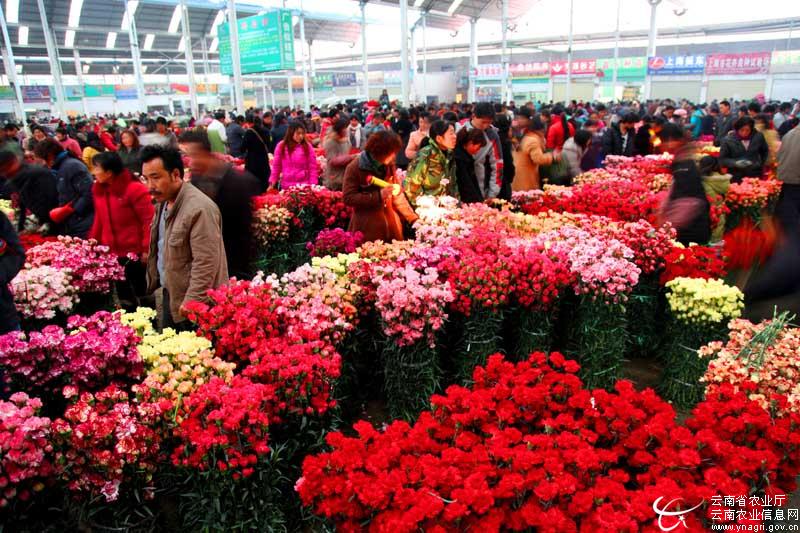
point(618, 139)
point(744, 151)
point(724, 122)
point(468, 143)
point(35, 186)
point(12, 257)
point(232, 191)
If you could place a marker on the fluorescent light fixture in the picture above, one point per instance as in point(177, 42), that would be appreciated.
point(75, 7)
point(12, 11)
point(176, 20)
point(182, 45)
point(22, 36)
point(69, 39)
point(450, 10)
point(217, 21)
point(132, 6)
point(111, 40)
point(144, 69)
point(19, 69)
point(418, 3)
point(148, 41)
point(86, 68)
point(214, 45)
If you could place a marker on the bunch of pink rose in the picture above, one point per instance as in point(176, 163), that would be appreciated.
point(25, 449)
point(92, 352)
point(412, 303)
point(107, 439)
point(92, 266)
point(40, 292)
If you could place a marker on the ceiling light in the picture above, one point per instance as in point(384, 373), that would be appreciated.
point(111, 40)
point(69, 39)
point(75, 13)
point(217, 21)
point(131, 10)
point(19, 69)
point(22, 36)
point(176, 19)
point(418, 3)
point(214, 45)
point(148, 41)
point(12, 11)
point(453, 7)
point(182, 45)
point(86, 69)
point(144, 69)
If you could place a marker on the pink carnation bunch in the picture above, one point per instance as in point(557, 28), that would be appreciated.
point(92, 265)
point(42, 291)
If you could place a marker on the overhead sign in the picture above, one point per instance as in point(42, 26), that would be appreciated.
point(266, 43)
point(785, 61)
point(628, 68)
point(35, 93)
point(582, 67)
point(97, 91)
point(323, 81)
point(344, 79)
point(73, 92)
point(534, 69)
point(749, 63)
point(7, 93)
point(676, 65)
point(489, 71)
point(179, 88)
point(126, 92)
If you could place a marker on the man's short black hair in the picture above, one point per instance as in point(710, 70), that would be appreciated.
point(11, 126)
point(484, 110)
point(630, 118)
point(196, 136)
point(754, 106)
point(219, 115)
point(725, 102)
point(784, 107)
point(170, 157)
point(161, 120)
point(7, 156)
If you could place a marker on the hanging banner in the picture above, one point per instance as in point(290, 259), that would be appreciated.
point(344, 79)
point(153, 90)
point(628, 68)
point(322, 81)
point(534, 69)
point(785, 61)
point(266, 43)
point(392, 78)
point(685, 65)
point(489, 71)
point(375, 78)
point(7, 93)
point(207, 88)
point(749, 63)
point(73, 92)
point(126, 92)
point(35, 93)
point(582, 67)
point(179, 88)
point(97, 91)
point(297, 83)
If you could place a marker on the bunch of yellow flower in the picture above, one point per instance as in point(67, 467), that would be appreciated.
point(176, 376)
point(170, 343)
point(141, 320)
point(8, 210)
point(703, 301)
point(271, 224)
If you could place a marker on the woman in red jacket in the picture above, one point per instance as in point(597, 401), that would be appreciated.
point(123, 213)
point(560, 129)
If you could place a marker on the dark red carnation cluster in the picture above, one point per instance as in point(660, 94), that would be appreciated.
point(325, 205)
point(335, 241)
point(528, 447)
point(703, 262)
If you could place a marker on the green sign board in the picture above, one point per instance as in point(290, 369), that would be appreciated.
point(94, 91)
point(628, 68)
point(7, 93)
point(266, 43)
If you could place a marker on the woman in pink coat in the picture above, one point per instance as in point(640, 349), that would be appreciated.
point(295, 162)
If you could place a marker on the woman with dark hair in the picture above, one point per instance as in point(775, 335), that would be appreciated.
point(130, 150)
point(503, 125)
point(574, 150)
point(468, 143)
point(744, 151)
point(295, 162)
point(560, 129)
point(337, 151)
point(38, 134)
point(123, 214)
point(530, 156)
point(403, 128)
point(255, 146)
point(74, 185)
point(687, 207)
point(378, 212)
point(433, 172)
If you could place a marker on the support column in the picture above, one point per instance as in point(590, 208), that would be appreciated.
point(404, 89)
point(137, 58)
point(187, 50)
point(413, 66)
point(312, 71)
point(365, 65)
point(473, 61)
point(306, 101)
point(238, 89)
point(651, 44)
point(424, 60)
point(11, 68)
point(504, 51)
point(569, 53)
point(206, 70)
point(264, 89)
point(79, 73)
point(616, 53)
point(55, 66)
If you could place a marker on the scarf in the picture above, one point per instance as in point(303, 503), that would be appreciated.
point(367, 163)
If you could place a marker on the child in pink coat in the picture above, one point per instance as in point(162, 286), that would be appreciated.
point(295, 162)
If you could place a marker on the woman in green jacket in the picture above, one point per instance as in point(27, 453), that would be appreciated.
point(433, 172)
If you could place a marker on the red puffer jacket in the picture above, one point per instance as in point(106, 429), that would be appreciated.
point(123, 212)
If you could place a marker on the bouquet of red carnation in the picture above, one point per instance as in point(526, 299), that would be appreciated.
point(696, 261)
point(747, 245)
point(335, 241)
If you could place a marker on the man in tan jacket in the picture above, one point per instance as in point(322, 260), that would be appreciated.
point(187, 255)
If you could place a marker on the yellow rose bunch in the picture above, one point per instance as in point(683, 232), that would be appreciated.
point(703, 301)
